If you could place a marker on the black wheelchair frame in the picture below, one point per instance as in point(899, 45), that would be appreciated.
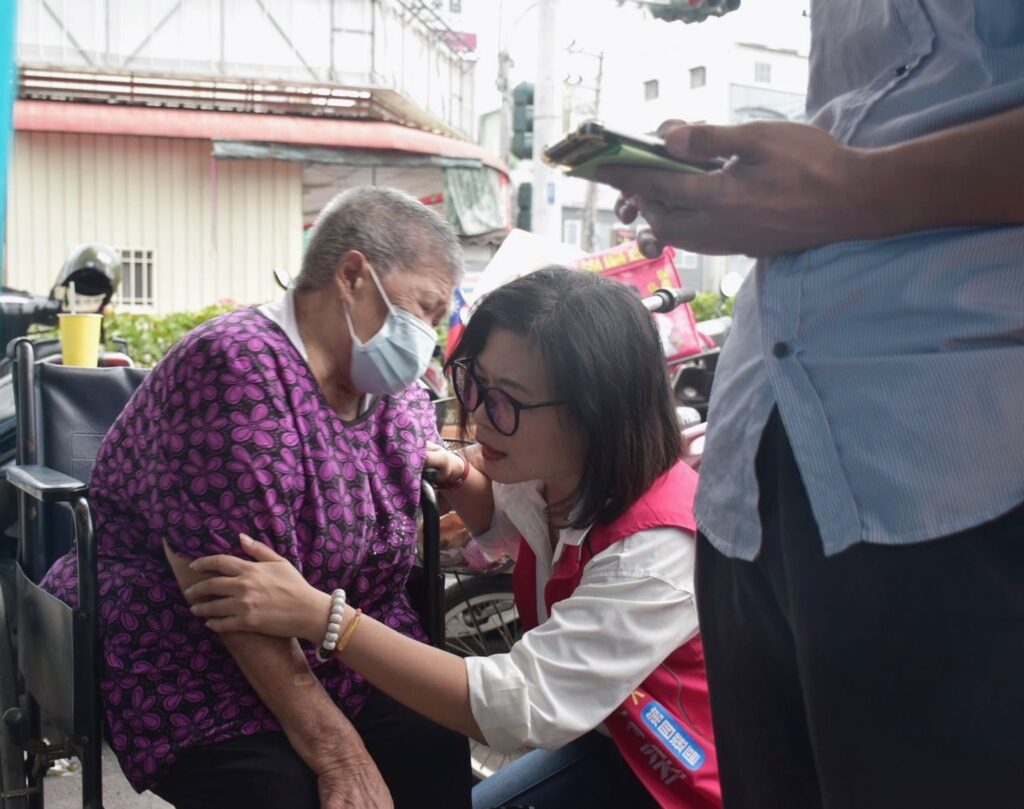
point(49, 652)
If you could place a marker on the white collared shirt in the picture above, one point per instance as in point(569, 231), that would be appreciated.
point(282, 312)
point(633, 607)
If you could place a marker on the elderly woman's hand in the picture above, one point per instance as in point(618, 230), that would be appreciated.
point(449, 465)
point(268, 595)
point(353, 783)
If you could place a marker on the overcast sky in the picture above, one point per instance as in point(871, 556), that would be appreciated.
point(598, 25)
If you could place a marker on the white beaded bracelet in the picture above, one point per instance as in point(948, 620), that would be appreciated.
point(326, 648)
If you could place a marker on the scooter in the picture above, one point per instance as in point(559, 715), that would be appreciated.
point(692, 376)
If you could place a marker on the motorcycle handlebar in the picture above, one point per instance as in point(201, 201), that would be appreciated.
point(665, 300)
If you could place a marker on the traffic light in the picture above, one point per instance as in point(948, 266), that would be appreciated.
point(522, 121)
point(524, 206)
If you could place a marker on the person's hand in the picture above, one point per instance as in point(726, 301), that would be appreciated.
point(627, 208)
point(785, 187)
point(449, 466)
point(268, 596)
point(352, 782)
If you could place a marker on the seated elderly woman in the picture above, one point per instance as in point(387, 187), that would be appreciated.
point(292, 421)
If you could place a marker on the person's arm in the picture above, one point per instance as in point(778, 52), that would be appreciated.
point(559, 681)
point(318, 731)
point(272, 598)
point(473, 498)
point(789, 187)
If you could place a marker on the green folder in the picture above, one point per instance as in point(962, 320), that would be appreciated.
point(625, 155)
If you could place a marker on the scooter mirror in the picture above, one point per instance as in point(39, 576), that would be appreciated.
point(730, 284)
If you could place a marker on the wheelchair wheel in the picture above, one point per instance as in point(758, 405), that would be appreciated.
point(13, 778)
point(480, 615)
point(13, 773)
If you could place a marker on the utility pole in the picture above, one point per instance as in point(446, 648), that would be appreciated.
point(502, 83)
point(589, 236)
point(547, 124)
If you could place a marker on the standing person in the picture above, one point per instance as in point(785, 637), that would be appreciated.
point(580, 474)
point(861, 561)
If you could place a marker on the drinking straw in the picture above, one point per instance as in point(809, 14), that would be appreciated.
point(74, 302)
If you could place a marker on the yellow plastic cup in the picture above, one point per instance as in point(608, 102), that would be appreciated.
point(80, 339)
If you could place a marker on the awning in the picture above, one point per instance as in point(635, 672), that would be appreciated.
point(339, 156)
point(103, 119)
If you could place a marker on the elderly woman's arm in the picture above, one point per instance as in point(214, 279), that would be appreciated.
point(317, 730)
point(430, 681)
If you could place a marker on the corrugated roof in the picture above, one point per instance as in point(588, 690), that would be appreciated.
point(103, 119)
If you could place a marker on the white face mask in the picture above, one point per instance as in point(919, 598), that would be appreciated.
point(396, 356)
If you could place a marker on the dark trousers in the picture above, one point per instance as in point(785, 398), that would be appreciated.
point(883, 676)
point(424, 765)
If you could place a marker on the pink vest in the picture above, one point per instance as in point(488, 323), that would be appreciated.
point(662, 729)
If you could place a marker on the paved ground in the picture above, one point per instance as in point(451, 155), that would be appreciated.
point(65, 791)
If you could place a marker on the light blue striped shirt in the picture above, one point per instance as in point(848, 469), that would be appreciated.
point(897, 365)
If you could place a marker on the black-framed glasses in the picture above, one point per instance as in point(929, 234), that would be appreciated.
point(502, 409)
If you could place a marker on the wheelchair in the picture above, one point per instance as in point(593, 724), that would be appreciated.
point(49, 652)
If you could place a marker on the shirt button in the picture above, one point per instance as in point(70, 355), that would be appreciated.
point(781, 349)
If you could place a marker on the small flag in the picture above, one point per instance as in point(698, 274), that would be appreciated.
point(456, 325)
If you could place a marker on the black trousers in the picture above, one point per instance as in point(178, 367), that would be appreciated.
point(883, 676)
point(424, 765)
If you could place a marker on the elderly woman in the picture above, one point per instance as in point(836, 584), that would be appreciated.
point(293, 421)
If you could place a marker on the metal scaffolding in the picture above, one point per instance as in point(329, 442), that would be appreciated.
point(391, 59)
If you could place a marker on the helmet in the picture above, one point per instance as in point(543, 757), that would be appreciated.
point(95, 270)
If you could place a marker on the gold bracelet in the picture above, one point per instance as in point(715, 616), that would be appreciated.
point(346, 636)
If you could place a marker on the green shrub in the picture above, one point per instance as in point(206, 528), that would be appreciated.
point(705, 306)
point(149, 337)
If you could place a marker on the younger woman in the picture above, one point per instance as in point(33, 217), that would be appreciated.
point(579, 475)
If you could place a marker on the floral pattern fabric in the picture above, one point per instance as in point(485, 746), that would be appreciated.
point(230, 433)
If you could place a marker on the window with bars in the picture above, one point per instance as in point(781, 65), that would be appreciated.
point(762, 72)
point(137, 288)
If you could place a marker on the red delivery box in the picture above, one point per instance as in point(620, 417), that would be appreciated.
point(625, 263)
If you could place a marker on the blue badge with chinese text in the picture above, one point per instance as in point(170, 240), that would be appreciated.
point(671, 733)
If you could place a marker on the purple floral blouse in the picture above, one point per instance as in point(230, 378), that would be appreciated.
point(231, 433)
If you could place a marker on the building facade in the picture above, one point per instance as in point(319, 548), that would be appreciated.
point(200, 138)
point(751, 65)
point(710, 79)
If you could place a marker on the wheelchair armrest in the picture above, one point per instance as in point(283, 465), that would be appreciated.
point(432, 563)
point(45, 484)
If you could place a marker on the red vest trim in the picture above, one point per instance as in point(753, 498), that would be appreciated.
point(663, 729)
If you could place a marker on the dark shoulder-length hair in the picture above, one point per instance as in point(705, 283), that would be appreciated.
point(604, 360)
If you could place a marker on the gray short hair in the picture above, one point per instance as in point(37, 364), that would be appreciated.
point(392, 229)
